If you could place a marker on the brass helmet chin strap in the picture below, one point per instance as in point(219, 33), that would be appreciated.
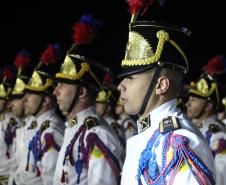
point(4, 107)
point(39, 105)
point(75, 100)
point(202, 110)
point(150, 89)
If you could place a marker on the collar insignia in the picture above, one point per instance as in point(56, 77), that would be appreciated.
point(73, 121)
point(145, 123)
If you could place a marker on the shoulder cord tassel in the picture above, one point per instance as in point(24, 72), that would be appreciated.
point(182, 155)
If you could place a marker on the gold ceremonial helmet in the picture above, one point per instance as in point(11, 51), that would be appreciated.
point(41, 81)
point(152, 43)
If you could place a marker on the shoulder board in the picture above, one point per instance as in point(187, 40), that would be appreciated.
point(12, 122)
point(169, 124)
point(222, 124)
point(44, 125)
point(213, 128)
point(2, 117)
point(115, 125)
point(90, 122)
point(33, 125)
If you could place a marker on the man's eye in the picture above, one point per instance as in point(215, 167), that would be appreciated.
point(129, 78)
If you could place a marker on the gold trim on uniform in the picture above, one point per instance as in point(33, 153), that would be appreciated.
point(90, 122)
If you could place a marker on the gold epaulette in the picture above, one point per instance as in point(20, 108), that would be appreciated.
point(44, 125)
point(2, 117)
point(115, 125)
point(169, 124)
point(213, 128)
point(90, 122)
point(33, 125)
point(4, 178)
point(12, 122)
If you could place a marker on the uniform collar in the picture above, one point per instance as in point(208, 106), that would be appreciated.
point(45, 116)
point(211, 119)
point(154, 117)
point(80, 117)
point(110, 119)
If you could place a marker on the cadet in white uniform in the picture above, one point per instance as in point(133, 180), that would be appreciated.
point(203, 104)
point(22, 62)
point(8, 125)
point(222, 115)
point(104, 105)
point(126, 121)
point(44, 136)
point(168, 149)
point(90, 152)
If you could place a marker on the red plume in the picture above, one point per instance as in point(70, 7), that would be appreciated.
point(85, 30)
point(214, 66)
point(84, 33)
point(139, 5)
point(51, 55)
point(7, 73)
point(22, 59)
point(108, 79)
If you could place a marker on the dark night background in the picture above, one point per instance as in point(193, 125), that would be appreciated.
point(33, 25)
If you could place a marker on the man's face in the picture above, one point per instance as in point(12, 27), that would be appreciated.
point(32, 103)
point(65, 94)
point(194, 106)
point(101, 108)
point(17, 107)
point(133, 90)
point(2, 104)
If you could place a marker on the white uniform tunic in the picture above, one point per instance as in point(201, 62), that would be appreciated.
point(128, 125)
point(137, 144)
point(98, 171)
point(6, 163)
point(217, 143)
point(18, 150)
point(46, 165)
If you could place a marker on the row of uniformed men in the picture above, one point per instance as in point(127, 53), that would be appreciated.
point(206, 108)
point(36, 148)
point(169, 149)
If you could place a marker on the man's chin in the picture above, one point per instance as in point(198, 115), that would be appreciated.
point(130, 112)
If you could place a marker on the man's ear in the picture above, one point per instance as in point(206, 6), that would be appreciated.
point(209, 106)
point(162, 85)
point(46, 100)
point(83, 92)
